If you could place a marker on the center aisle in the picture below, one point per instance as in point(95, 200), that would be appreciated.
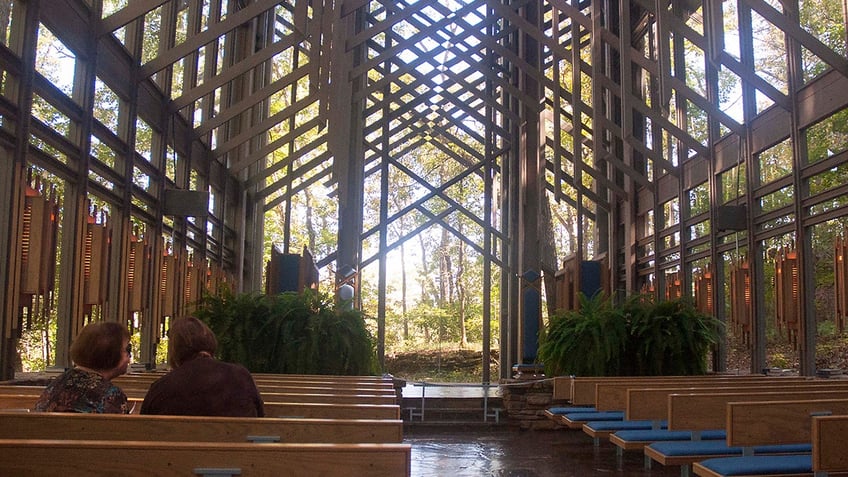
point(481, 451)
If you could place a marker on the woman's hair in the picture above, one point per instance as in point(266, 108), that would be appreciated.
point(99, 345)
point(187, 338)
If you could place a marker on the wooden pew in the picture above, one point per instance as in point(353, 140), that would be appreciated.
point(753, 424)
point(830, 433)
point(60, 425)
point(269, 393)
point(609, 395)
point(26, 402)
point(651, 404)
point(140, 386)
point(330, 398)
point(17, 402)
point(326, 388)
point(583, 395)
point(260, 379)
point(706, 411)
point(37, 390)
point(332, 411)
point(698, 411)
point(15, 389)
point(137, 458)
point(272, 408)
point(327, 377)
point(615, 396)
point(580, 390)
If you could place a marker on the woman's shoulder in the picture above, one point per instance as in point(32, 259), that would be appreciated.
point(234, 367)
point(208, 365)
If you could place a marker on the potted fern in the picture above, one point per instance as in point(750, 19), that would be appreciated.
point(637, 337)
point(299, 333)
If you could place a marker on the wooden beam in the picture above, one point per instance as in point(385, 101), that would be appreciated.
point(212, 33)
point(209, 85)
point(129, 13)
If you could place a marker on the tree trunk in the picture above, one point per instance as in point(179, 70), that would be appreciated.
point(549, 257)
point(404, 317)
point(460, 287)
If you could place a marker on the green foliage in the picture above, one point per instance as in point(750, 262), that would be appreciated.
point(587, 342)
point(826, 329)
point(303, 333)
point(673, 338)
point(638, 337)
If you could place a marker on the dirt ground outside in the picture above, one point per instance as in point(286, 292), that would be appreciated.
point(455, 365)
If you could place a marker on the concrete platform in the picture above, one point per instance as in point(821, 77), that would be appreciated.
point(450, 402)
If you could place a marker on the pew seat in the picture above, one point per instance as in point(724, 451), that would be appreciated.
point(778, 465)
point(575, 420)
point(598, 430)
point(638, 439)
point(687, 452)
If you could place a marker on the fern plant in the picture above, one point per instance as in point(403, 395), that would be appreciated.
point(637, 337)
point(584, 342)
point(674, 339)
point(295, 333)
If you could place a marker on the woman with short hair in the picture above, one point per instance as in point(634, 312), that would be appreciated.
point(198, 384)
point(100, 353)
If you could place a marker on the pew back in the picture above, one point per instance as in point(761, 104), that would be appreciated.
point(271, 393)
point(328, 398)
point(830, 433)
point(332, 411)
point(755, 423)
point(38, 425)
point(272, 408)
point(652, 403)
point(580, 390)
point(612, 396)
point(135, 458)
point(698, 412)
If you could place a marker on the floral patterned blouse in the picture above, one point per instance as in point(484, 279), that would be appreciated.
point(82, 391)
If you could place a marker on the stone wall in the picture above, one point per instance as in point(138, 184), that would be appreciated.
point(525, 401)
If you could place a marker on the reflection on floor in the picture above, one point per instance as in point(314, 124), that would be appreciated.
point(504, 451)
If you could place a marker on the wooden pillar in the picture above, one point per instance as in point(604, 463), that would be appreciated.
point(806, 282)
point(531, 193)
point(345, 143)
point(22, 39)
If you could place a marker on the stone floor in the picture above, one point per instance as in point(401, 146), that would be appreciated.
point(466, 449)
point(506, 451)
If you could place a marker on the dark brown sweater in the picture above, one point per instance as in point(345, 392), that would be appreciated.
point(205, 387)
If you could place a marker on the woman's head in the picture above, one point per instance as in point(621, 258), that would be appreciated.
point(187, 338)
point(103, 347)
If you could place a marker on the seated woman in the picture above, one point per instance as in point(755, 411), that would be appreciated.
point(198, 384)
point(100, 353)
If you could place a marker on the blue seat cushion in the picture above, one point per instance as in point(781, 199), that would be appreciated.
point(568, 410)
point(761, 465)
point(622, 425)
point(718, 447)
point(595, 416)
point(666, 435)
